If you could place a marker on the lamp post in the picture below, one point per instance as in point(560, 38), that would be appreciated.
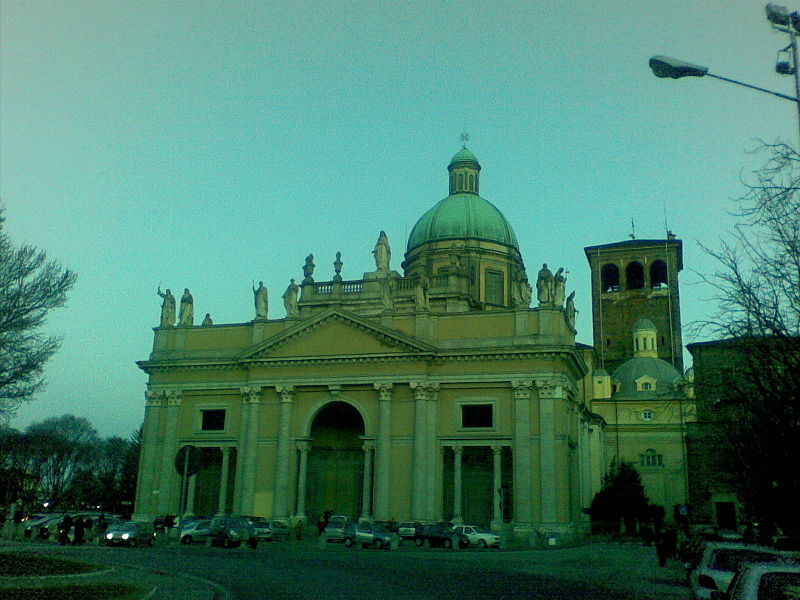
point(781, 20)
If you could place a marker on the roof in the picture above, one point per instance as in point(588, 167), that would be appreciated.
point(660, 371)
point(463, 216)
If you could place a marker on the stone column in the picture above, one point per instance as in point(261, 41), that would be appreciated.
point(251, 397)
point(366, 490)
point(383, 452)
point(420, 453)
point(241, 454)
point(457, 452)
point(497, 482)
point(146, 502)
point(167, 504)
point(523, 480)
point(303, 448)
point(548, 393)
point(434, 458)
point(280, 503)
point(223, 481)
point(190, 493)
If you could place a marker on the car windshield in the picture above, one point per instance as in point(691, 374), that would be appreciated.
point(379, 528)
point(779, 586)
point(729, 559)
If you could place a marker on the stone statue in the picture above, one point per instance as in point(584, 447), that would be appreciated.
point(525, 292)
point(308, 269)
point(421, 292)
point(337, 267)
point(207, 322)
point(544, 285)
point(290, 300)
point(570, 310)
point(260, 299)
point(186, 315)
point(559, 285)
point(382, 252)
point(167, 308)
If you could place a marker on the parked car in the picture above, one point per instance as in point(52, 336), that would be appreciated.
point(720, 560)
point(763, 581)
point(334, 531)
point(435, 536)
point(367, 534)
point(130, 533)
point(477, 536)
point(279, 529)
point(230, 532)
point(194, 532)
point(409, 530)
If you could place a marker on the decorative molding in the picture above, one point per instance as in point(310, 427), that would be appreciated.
point(384, 391)
point(286, 392)
point(522, 388)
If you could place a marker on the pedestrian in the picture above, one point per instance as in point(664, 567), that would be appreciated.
point(298, 530)
point(64, 528)
point(647, 534)
point(80, 528)
point(662, 547)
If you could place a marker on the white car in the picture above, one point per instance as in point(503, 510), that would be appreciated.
point(478, 536)
point(764, 581)
point(720, 561)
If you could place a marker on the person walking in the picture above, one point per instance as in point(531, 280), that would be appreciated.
point(662, 547)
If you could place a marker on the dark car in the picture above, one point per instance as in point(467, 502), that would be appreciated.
point(231, 532)
point(435, 536)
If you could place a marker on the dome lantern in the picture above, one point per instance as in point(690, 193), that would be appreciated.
point(464, 172)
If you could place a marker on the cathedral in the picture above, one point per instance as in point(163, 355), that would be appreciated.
point(451, 390)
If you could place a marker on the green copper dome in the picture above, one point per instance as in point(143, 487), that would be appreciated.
point(462, 216)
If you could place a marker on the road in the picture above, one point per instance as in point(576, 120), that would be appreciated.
point(304, 571)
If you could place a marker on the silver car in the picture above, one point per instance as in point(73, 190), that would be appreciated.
point(367, 534)
point(196, 532)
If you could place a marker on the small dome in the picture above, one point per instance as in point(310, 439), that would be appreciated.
point(464, 158)
point(644, 325)
point(663, 375)
point(463, 216)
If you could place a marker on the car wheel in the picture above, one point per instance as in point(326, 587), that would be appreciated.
point(448, 544)
point(187, 539)
point(482, 544)
point(378, 544)
point(418, 542)
point(348, 543)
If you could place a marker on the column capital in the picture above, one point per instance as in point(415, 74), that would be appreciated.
point(368, 446)
point(304, 447)
point(522, 388)
point(286, 392)
point(334, 390)
point(458, 449)
point(424, 390)
point(250, 394)
point(173, 397)
point(384, 390)
point(497, 449)
point(154, 397)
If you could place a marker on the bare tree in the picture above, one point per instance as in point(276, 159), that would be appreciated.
point(30, 286)
point(756, 385)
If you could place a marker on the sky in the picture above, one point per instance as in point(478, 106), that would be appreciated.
point(207, 145)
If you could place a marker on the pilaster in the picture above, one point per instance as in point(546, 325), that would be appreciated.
point(420, 454)
point(523, 477)
point(383, 452)
point(167, 503)
point(248, 453)
point(146, 502)
point(280, 508)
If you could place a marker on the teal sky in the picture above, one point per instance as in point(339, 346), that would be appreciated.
point(209, 144)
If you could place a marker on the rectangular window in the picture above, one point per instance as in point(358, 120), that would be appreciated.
point(476, 416)
point(494, 287)
point(213, 420)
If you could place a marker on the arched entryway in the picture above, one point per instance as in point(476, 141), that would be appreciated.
point(335, 462)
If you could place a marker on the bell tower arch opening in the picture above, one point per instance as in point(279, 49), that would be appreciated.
point(335, 461)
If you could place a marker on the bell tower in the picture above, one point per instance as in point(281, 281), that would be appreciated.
point(633, 280)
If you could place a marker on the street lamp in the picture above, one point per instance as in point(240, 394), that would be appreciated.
point(782, 20)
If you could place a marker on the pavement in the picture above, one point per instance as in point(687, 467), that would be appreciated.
point(627, 566)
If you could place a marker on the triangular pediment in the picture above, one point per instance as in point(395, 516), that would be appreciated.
point(336, 333)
